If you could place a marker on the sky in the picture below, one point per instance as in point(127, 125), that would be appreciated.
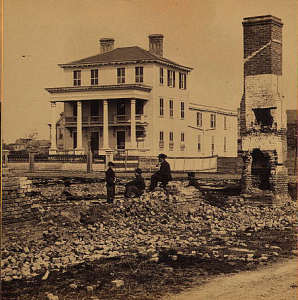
point(203, 34)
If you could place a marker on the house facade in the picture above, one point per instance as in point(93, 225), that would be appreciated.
point(133, 101)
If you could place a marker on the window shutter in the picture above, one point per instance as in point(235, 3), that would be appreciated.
point(173, 78)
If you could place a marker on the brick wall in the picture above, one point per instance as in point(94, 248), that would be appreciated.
point(16, 205)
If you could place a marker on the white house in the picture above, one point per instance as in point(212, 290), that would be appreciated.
point(136, 101)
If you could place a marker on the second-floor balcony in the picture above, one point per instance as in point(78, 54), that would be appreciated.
point(113, 120)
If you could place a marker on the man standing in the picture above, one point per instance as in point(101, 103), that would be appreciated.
point(111, 182)
point(136, 186)
point(163, 175)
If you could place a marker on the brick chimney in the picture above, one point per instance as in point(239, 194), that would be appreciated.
point(262, 113)
point(106, 44)
point(156, 44)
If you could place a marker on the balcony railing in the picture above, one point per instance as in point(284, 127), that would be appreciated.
point(114, 119)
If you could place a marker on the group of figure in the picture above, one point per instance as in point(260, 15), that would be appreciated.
point(136, 187)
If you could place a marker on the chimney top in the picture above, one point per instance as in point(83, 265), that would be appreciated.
point(156, 43)
point(106, 44)
point(262, 20)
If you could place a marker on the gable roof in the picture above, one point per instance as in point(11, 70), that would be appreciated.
point(123, 55)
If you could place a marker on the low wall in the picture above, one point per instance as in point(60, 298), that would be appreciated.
point(16, 205)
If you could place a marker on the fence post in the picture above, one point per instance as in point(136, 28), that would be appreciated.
point(125, 163)
point(89, 162)
point(150, 162)
point(184, 164)
point(31, 162)
point(174, 164)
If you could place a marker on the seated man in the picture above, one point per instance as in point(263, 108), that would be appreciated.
point(193, 181)
point(136, 186)
point(66, 193)
point(163, 175)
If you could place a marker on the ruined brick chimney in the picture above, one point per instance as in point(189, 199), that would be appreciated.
point(262, 115)
point(106, 44)
point(156, 44)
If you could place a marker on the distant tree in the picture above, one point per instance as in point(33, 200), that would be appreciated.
point(30, 141)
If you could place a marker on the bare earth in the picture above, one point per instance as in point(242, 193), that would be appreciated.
point(274, 282)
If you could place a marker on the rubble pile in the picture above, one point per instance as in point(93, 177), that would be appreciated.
point(73, 232)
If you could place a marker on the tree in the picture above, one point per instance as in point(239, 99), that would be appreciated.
point(30, 140)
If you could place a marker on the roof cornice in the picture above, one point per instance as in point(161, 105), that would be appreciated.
point(111, 63)
point(141, 87)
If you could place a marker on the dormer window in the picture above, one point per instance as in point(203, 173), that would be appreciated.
point(139, 72)
point(94, 77)
point(77, 77)
point(120, 75)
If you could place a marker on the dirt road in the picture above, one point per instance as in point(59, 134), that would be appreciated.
point(274, 282)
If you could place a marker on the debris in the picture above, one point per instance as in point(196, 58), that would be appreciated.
point(118, 282)
point(46, 275)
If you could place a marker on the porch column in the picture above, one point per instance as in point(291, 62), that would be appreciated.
point(53, 149)
point(105, 125)
point(79, 149)
point(133, 137)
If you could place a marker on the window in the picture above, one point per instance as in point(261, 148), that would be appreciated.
point(212, 144)
point(171, 78)
point(199, 143)
point(182, 81)
point(161, 136)
point(161, 107)
point(60, 136)
point(120, 75)
point(199, 119)
point(212, 120)
point(139, 72)
point(171, 106)
point(161, 139)
point(94, 108)
point(225, 144)
point(225, 122)
point(94, 77)
point(140, 134)
point(161, 75)
point(182, 112)
point(74, 109)
point(182, 137)
point(171, 137)
point(77, 77)
point(182, 141)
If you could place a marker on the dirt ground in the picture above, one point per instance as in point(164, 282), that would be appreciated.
point(275, 282)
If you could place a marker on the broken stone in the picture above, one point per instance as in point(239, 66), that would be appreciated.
point(73, 286)
point(118, 282)
point(90, 288)
point(50, 296)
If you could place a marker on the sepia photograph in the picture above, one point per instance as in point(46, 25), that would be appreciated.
point(149, 149)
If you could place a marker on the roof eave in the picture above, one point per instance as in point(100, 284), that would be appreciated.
point(84, 65)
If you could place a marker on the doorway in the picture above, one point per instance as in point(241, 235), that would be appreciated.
point(121, 107)
point(120, 139)
point(261, 169)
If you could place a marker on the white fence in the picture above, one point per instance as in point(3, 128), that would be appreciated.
point(185, 164)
